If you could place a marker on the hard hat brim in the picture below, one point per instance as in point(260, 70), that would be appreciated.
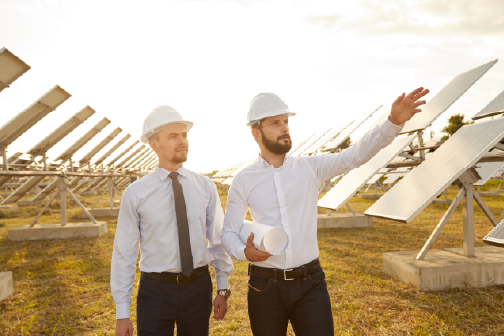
point(289, 113)
point(145, 137)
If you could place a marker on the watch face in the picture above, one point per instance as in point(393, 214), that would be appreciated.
point(226, 293)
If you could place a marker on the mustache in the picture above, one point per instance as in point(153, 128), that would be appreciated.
point(283, 136)
point(182, 147)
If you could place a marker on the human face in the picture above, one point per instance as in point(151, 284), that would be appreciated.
point(275, 134)
point(171, 144)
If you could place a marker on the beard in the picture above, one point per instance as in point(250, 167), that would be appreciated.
point(178, 157)
point(274, 146)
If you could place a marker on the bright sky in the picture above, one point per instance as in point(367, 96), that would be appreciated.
point(329, 61)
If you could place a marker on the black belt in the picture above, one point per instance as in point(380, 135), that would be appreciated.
point(177, 278)
point(286, 274)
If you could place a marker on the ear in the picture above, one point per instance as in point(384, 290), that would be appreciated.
point(154, 145)
point(256, 134)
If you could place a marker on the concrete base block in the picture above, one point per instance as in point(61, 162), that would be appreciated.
point(490, 194)
point(6, 287)
point(344, 220)
point(502, 214)
point(28, 203)
point(447, 268)
point(117, 203)
point(85, 193)
point(8, 207)
point(441, 201)
point(102, 212)
point(56, 231)
point(370, 196)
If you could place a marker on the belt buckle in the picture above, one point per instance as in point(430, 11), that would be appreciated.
point(179, 275)
point(285, 274)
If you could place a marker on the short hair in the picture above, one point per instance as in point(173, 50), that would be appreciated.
point(258, 124)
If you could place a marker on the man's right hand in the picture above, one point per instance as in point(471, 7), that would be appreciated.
point(124, 327)
point(252, 254)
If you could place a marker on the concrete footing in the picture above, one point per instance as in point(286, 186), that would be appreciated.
point(86, 193)
point(370, 196)
point(490, 194)
point(56, 231)
point(28, 203)
point(502, 214)
point(344, 220)
point(441, 201)
point(8, 207)
point(117, 203)
point(6, 287)
point(447, 268)
point(102, 212)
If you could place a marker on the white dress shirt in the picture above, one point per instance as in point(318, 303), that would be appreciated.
point(286, 197)
point(147, 214)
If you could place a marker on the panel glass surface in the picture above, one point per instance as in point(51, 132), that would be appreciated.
point(327, 137)
point(496, 106)
point(309, 143)
point(301, 142)
point(496, 236)
point(350, 129)
point(11, 68)
point(424, 183)
point(357, 178)
point(445, 98)
point(487, 171)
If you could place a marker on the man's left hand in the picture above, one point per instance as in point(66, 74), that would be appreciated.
point(406, 106)
point(220, 307)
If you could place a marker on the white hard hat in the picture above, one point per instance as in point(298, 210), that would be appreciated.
point(160, 117)
point(264, 105)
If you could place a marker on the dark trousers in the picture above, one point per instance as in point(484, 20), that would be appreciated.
point(162, 304)
point(306, 303)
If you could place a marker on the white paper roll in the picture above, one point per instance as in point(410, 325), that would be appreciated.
point(266, 238)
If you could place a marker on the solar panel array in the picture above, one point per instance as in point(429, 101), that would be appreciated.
point(496, 236)
point(496, 106)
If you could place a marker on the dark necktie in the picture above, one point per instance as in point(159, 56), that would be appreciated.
point(186, 258)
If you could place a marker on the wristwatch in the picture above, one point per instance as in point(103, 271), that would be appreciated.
point(224, 292)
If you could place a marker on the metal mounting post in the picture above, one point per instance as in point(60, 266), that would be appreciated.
point(44, 161)
point(421, 144)
point(4, 158)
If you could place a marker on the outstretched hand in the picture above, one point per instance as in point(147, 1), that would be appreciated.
point(406, 106)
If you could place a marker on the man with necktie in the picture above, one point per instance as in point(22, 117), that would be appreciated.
point(173, 212)
point(282, 191)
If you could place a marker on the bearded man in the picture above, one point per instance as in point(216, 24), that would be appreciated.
point(177, 216)
point(282, 191)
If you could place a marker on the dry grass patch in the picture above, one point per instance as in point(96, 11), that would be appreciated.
point(61, 287)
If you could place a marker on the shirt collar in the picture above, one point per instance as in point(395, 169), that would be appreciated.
point(265, 164)
point(163, 173)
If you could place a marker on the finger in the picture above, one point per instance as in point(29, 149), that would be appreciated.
point(417, 110)
point(216, 310)
point(398, 100)
point(223, 313)
point(418, 103)
point(414, 92)
point(250, 238)
point(421, 94)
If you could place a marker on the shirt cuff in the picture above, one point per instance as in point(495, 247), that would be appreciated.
point(222, 282)
point(240, 253)
point(123, 310)
point(395, 129)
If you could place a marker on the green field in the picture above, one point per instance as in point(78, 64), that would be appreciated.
point(61, 287)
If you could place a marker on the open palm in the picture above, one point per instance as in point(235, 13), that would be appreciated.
point(406, 106)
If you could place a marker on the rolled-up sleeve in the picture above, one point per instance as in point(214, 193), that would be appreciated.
point(215, 219)
point(236, 210)
point(125, 254)
point(327, 166)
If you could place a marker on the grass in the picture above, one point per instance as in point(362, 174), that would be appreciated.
point(61, 287)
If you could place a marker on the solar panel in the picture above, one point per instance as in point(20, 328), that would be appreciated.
point(135, 152)
point(487, 171)
point(445, 98)
point(111, 150)
point(326, 138)
point(62, 131)
point(496, 236)
point(424, 183)
point(23, 121)
point(11, 68)
point(395, 175)
point(67, 154)
point(99, 146)
point(310, 142)
point(338, 140)
point(300, 143)
point(357, 178)
point(496, 106)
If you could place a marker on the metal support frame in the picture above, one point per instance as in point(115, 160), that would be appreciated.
point(4, 158)
point(467, 196)
point(62, 190)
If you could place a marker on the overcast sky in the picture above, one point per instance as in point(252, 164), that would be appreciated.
point(328, 60)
